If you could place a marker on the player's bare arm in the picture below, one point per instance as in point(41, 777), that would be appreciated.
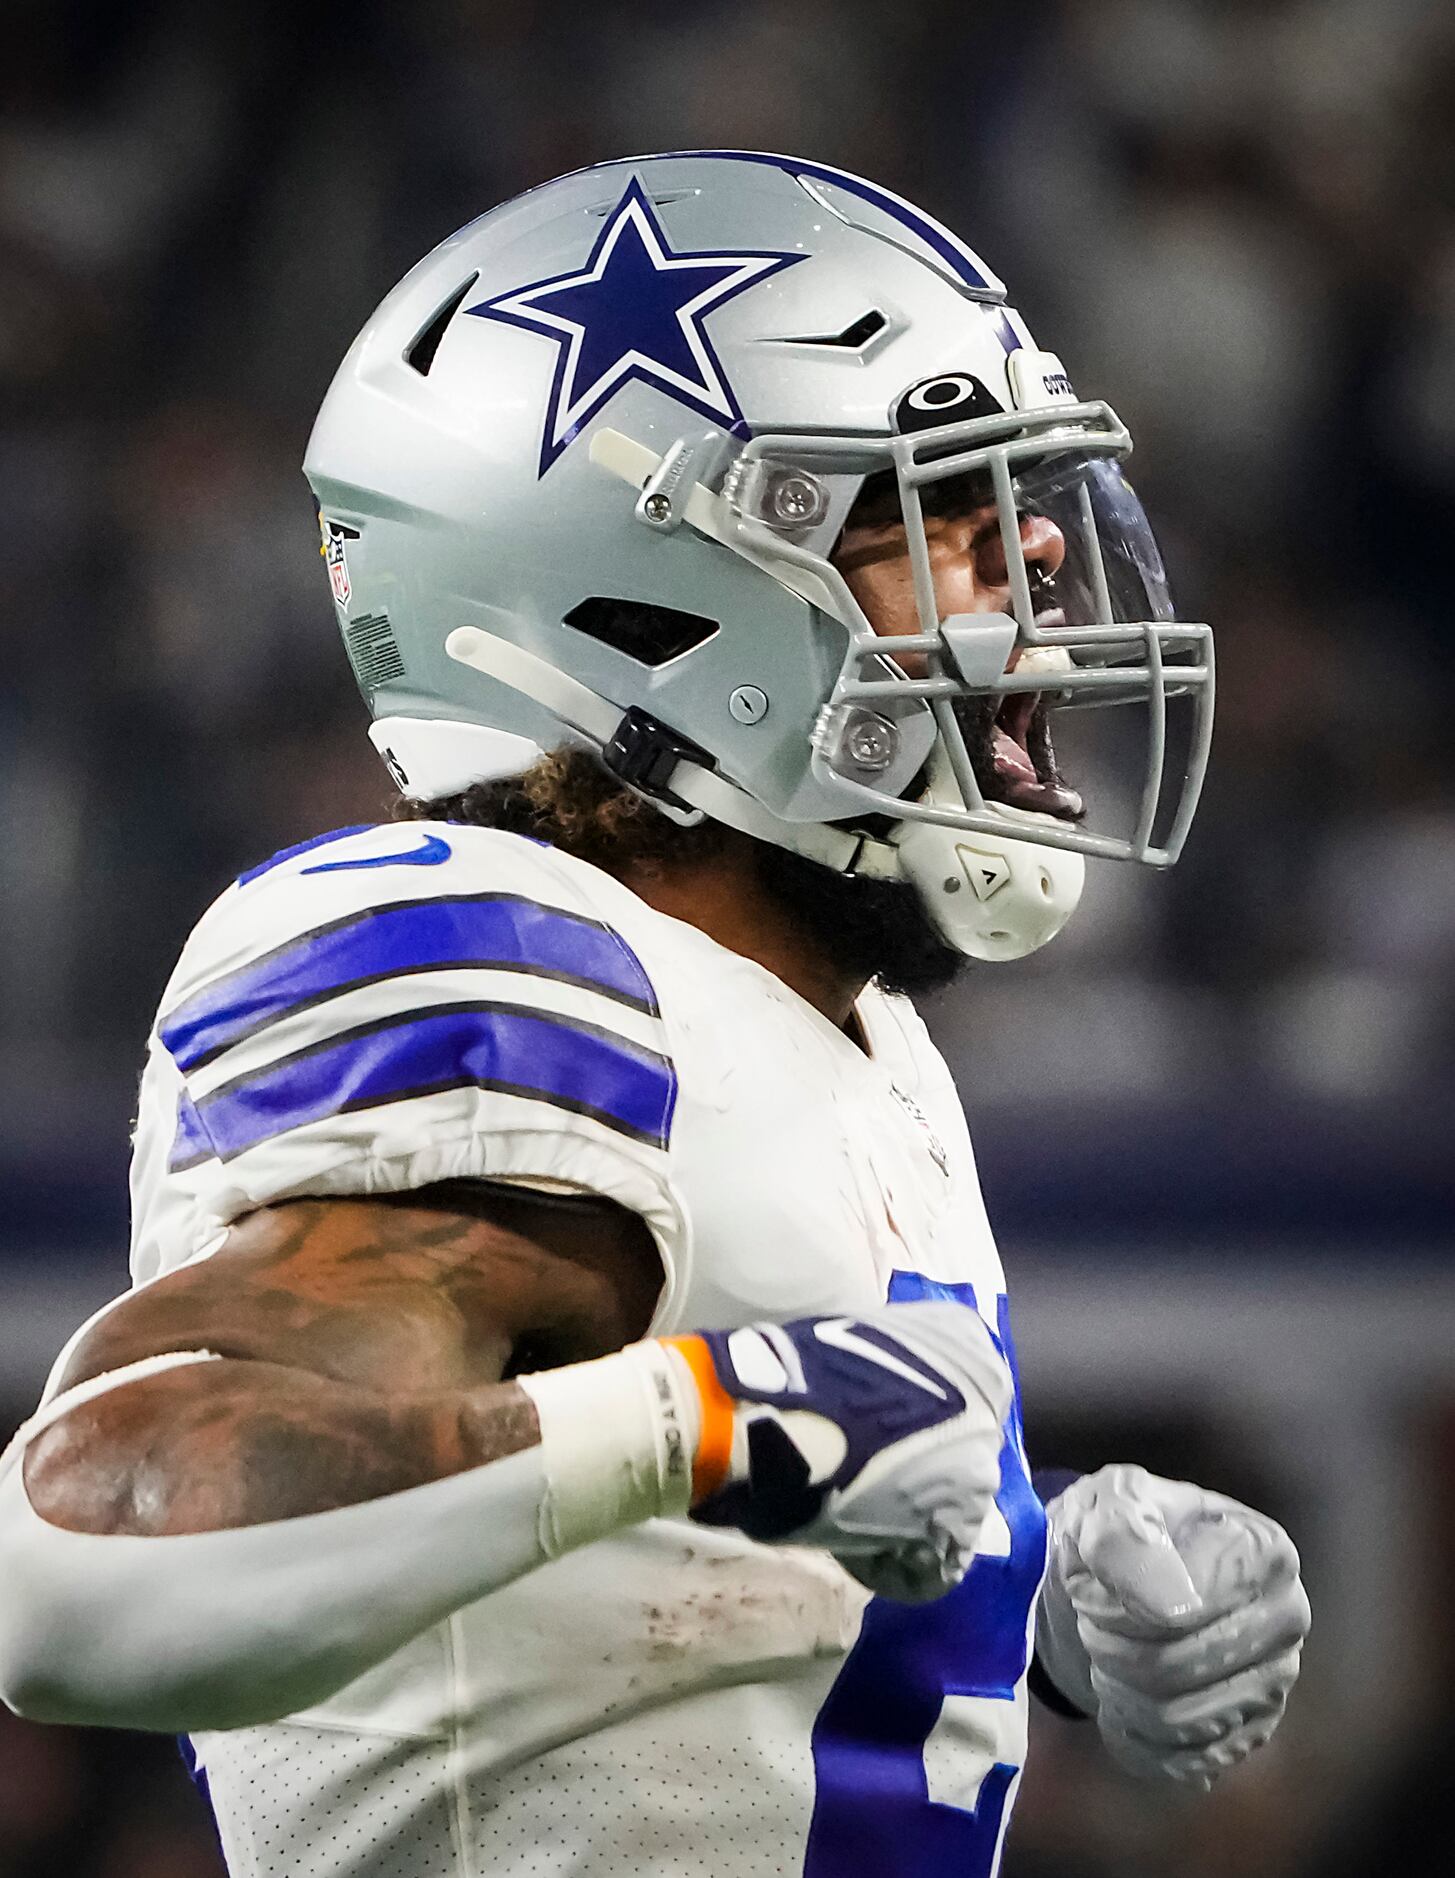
point(351, 1464)
point(363, 1345)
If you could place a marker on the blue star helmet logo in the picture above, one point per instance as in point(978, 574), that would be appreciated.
point(634, 311)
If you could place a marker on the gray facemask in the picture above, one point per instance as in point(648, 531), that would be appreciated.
point(582, 476)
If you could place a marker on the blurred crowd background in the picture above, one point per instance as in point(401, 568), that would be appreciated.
point(1214, 1118)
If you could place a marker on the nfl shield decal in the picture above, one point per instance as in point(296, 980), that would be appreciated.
point(336, 536)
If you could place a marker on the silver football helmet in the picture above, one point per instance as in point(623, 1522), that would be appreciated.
point(581, 478)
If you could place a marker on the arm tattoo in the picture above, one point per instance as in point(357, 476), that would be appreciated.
point(211, 1446)
point(365, 1348)
point(395, 1293)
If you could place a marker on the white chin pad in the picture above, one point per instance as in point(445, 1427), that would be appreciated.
point(430, 756)
point(992, 896)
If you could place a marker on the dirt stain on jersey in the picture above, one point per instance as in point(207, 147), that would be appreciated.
point(741, 1609)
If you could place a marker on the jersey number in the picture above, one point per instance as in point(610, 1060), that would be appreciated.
point(873, 1810)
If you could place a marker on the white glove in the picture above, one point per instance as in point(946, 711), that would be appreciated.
point(1175, 1616)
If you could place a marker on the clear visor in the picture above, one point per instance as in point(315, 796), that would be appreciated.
point(1112, 570)
point(1066, 606)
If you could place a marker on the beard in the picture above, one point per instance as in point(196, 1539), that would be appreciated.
point(879, 929)
point(868, 928)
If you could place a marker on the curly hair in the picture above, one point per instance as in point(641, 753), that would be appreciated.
point(868, 928)
point(572, 801)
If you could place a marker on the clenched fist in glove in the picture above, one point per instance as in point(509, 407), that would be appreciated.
point(1174, 1616)
point(877, 1438)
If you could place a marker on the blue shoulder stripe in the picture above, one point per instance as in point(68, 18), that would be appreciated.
point(190, 1144)
point(498, 931)
point(570, 1064)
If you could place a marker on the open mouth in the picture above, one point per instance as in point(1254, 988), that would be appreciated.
point(1011, 752)
point(1026, 775)
point(1015, 762)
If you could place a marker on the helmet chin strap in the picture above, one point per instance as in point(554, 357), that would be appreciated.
point(990, 897)
point(595, 718)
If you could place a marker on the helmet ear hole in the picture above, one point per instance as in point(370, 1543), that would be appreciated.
point(649, 634)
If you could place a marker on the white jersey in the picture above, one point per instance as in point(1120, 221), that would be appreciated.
point(393, 1006)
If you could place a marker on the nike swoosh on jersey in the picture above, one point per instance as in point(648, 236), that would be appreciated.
point(430, 854)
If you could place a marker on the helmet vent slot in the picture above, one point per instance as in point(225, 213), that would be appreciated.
point(420, 354)
point(853, 338)
point(649, 634)
point(373, 651)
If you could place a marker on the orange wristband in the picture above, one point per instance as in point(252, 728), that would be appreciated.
point(715, 1444)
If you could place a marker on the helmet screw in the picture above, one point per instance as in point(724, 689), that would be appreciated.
point(870, 742)
point(748, 704)
point(657, 508)
point(797, 500)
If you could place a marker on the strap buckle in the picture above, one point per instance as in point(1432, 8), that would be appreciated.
point(644, 754)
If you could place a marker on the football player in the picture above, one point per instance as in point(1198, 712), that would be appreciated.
point(565, 1416)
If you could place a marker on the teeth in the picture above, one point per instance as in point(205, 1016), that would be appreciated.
point(1044, 659)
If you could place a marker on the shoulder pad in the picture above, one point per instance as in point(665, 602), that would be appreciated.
point(380, 966)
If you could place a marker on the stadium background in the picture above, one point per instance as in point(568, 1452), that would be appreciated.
point(1214, 1118)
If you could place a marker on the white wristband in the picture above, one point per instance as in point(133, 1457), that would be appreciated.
point(618, 1436)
